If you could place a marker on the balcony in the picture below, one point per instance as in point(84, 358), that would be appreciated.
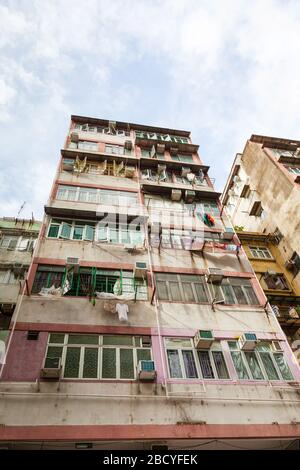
point(182, 143)
point(97, 156)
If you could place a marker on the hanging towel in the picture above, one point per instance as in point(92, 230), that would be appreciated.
point(122, 310)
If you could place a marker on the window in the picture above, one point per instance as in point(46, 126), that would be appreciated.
point(183, 239)
point(181, 288)
point(246, 191)
point(260, 252)
point(183, 158)
point(90, 356)
point(115, 149)
point(187, 363)
point(88, 281)
point(119, 233)
point(84, 145)
point(71, 230)
point(295, 170)
point(260, 364)
point(238, 291)
point(209, 207)
point(276, 281)
point(101, 130)
point(93, 195)
point(8, 277)
point(161, 137)
point(21, 243)
point(256, 209)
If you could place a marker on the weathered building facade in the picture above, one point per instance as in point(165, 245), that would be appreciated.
point(143, 323)
point(262, 197)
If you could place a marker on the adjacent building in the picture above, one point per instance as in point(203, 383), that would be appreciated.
point(262, 197)
point(142, 324)
point(17, 241)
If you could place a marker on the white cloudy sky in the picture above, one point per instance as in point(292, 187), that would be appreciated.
point(223, 69)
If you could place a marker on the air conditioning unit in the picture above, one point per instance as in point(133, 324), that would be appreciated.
point(215, 275)
point(74, 137)
point(140, 269)
point(203, 339)
point(191, 177)
point(129, 171)
point(146, 371)
point(160, 148)
point(68, 164)
point(228, 234)
point(189, 196)
point(248, 341)
point(176, 195)
point(53, 369)
point(128, 144)
point(130, 247)
point(276, 346)
point(185, 170)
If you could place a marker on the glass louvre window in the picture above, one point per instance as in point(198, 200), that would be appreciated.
point(185, 362)
point(208, 206)
point(239, 365)
point(92, 356)
point(181, 287)
point(4, 275)
point(282, 366)
point(254, 366)
point(260, 252)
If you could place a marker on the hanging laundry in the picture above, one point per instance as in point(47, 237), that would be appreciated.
point(122, 310)
point(117, 287)
point(109, 306)
point(208, 219)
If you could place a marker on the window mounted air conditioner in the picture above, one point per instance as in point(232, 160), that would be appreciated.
point(176, 195)
point(128, 144)
point(191, 177)
point(74, 137)
point(228, 234)
point(215, 275)
point(140, 269)
point(248, 341)
point(53, 369)
point(146, 371)
point(203, 339)
point(160, 148)
point(189, 196)
point(68, 164)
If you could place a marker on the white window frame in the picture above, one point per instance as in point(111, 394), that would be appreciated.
point(72, 223)
point(261, 251)
point(215, 347)
point(100, 346)
point(100, 195)
point(261, 364)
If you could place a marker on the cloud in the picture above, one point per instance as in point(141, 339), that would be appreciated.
point(223, 70)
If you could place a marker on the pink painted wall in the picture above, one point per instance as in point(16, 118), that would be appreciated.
point(25, 357)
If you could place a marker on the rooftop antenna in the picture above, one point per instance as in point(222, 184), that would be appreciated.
point(21, 208)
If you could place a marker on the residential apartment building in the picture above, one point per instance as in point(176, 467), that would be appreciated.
point(143, 325)
point(262, 197)
point(17, 241)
